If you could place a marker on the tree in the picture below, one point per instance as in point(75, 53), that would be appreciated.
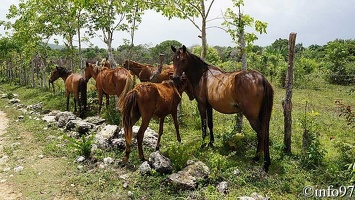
point(109, 16)
point(236, 25)
point(341, 56)
point(280, 46)
point(28, 31)
point(212, 57)
point(164, 48)
point(188, 9)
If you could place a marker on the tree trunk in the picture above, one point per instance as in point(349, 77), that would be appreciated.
point(203, 31)
point(108, 40)
point(79, 41)
point(239, 117)
point(287, 102)
point(157, 72)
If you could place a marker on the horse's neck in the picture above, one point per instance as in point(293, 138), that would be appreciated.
point(95, 72)
point(135, 67)
point(176, 92)
point(65, 76)
point(194, 75)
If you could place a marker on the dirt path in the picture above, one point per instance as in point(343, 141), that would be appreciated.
point(7, 191)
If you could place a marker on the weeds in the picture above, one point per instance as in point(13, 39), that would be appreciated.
point(312, 152)
point(82, 146)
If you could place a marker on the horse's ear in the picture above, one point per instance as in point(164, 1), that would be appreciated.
point(56, 67)
point(184, 48)
point(173, 48)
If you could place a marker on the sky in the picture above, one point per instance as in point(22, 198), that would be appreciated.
point(314, 21)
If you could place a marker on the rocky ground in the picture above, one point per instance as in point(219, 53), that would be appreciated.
point(7, 191)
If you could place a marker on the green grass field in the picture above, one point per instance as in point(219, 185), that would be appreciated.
point(325, 164)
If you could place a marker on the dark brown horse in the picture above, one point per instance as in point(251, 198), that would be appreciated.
point(145, 72)
point(117, 81)
point(248, 92)
point(74, 83)
point(152, 99)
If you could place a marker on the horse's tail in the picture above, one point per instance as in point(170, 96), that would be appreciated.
point(265, 116)
point(128, 86)
point(83, 95)
point(130, 113)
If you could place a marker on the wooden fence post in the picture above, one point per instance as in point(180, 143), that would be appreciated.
point(287, 102)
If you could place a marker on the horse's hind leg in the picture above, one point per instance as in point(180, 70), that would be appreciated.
point(127, 129)
point(202, 110)
point(256, 125)
point(161, 124)
point(76, 97)
point(210, 125)
point(140, 136)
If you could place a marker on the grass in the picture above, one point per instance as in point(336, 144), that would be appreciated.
point(286, 179)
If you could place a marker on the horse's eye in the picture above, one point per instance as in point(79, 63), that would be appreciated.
point(177, 57)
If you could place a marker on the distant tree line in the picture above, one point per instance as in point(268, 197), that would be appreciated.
point(314, 65)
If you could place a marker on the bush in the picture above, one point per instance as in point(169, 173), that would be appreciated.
point(313, 153)
point(112, 115)
point(82, 146)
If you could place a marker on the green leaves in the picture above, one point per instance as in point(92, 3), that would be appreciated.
point(236, 24)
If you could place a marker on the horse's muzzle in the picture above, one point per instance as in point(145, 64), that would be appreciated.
point(176, 79)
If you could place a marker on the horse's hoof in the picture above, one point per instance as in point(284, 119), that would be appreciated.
point(124, 160)
point(210, 144)
point(203, 145)
point(256, 158)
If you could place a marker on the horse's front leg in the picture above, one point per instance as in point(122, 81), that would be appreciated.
point(67, 95)
point(176, 124)
point(76, 97)
point(202, 110)
point(210, 124)
point(99, 96)
point(161, 124)
point(107, 101)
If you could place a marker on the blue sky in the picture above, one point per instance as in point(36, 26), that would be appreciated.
point(314, 21)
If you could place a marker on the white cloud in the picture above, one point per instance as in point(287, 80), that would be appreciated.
point(314, 21)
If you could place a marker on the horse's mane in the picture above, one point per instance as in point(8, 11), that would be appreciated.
point(196, 59)
point(63, 69)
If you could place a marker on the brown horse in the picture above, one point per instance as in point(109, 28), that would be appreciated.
point(145, 72)
point(117, 81)
point(74, 83)
point(248, 92)
point(152, 99)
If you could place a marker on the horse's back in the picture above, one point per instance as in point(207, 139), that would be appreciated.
point(72, 82)
point(155, 98)
point(229, 92)
point(112, 80)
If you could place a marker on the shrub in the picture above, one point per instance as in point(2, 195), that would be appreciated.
point(82, 146)
point(313, 153)
point(112, 115)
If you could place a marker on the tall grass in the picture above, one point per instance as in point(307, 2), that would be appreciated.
point(287, 176)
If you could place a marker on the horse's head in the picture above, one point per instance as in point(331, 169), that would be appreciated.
point(106, 63)
point(57, 73)
point(89, 68)
point(126, 64)
point(180, 62)
point(184, 85)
